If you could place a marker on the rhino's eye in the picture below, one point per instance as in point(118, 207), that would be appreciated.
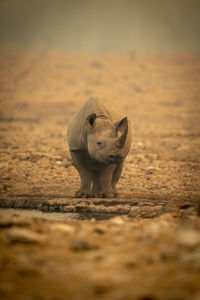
point(99, 143)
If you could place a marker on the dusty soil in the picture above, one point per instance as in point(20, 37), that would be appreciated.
point(39, 92)
point(120, 258)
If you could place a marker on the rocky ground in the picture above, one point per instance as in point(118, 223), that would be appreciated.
point(152, 251)
point(120, 258)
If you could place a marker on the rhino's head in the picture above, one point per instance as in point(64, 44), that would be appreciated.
point(106, 139)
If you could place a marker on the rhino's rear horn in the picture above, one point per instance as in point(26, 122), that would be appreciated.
point(90, 120)
point(122, 126)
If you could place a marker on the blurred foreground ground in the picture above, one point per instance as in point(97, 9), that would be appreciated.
point(118, 258)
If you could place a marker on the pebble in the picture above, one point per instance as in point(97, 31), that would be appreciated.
point(139, 158)
point(140, 144)
point(81, 245)
point(152, 157)
point(151, 212)
point(189, 238)
point(16, 220)
point(5, 221)
point(23, 235)
point(192, 259)
point(100, 229)
point(62, 227)
point(65, 163)
point(117, 221)
point(134, 212)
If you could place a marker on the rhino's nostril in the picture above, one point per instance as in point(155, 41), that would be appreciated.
point(114, 158)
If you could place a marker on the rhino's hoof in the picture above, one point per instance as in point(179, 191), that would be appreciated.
point(83, 194)
point(80, 194)
point(108, 195)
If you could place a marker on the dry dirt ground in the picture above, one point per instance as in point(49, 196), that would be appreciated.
point(120, 258)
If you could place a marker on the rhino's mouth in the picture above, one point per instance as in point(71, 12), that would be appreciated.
point(113, 159)
point(106, 161)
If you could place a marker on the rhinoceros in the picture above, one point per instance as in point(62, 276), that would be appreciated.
point(99, 140)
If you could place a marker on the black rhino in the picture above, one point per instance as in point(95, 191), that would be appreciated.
point(99, 140)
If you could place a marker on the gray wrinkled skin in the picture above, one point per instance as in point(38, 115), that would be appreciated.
point(99, 140)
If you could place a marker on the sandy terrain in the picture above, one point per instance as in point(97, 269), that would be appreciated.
point(39, 92)
point(114, 259)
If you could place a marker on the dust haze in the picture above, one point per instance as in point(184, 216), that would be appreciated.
point(92, 25)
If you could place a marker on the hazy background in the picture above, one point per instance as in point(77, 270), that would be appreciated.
point(101, 25)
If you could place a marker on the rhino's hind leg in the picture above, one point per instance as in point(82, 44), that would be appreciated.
point(79, 162)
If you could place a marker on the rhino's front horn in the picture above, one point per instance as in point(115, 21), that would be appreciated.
point(123, 125)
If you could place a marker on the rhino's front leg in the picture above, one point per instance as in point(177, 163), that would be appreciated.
point(105, 180)
point(95, 183)
point(116, 175)
point(78, 159)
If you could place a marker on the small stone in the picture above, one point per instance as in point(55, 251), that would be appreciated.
point(192, 259)
point(22, 235)
point(68, 209)
point(117, 221)
point(139, 158)
point(152, 157)
point(150, 170)
point(99, 229)
point(96, 64)
point(17, 219)
point(189, 238)
point(65, 163)
point(130, 263)
point(168, 255)
point(140, 144)
point(134, 212)
point(5, 222)
point(62, 227)
point(81, 245)
point(151, 212)
point(4, 157)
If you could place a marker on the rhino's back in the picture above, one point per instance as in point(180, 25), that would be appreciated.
point(76, 130)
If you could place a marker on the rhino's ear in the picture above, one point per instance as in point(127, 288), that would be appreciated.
point(90, 120)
